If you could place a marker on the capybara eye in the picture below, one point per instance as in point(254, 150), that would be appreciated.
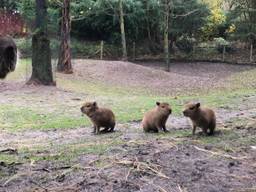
point(191, 108)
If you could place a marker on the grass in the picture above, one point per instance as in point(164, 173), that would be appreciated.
point(62, 152)
point(128, 104)
point(23, 111)
point(14, 118)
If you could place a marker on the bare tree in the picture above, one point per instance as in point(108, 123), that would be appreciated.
point(121, 14)
point(166, 32)
point(41, 53)
point(64, 62)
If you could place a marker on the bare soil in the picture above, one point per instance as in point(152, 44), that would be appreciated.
point(173, 162)
point(182, 76)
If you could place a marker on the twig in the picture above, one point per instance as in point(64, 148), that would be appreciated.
point(143, 167)
point(9, 150)
point(128, 174)
point(219, 154)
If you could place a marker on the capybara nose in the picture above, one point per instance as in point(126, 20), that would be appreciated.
point(81, 109)
point(170, 111)
point(184, 112)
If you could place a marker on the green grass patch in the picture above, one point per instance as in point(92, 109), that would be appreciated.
point(14, 118)
point(70, 152)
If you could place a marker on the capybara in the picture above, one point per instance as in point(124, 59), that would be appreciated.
point(155, 119)
point(201, 117)
point(100, 117)
point(8, 56)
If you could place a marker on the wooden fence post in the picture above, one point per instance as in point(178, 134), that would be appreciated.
point(101, 49)
point(134, 51)
point(251, 53)
point(223, 52)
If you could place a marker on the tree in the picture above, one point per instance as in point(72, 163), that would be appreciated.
point(121, 14)
point(64, 62)
point(41, 53)
point(242, 15)
point(180, 18)
point(166, 32)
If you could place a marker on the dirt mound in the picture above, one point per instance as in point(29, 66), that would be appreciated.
point(189, 76)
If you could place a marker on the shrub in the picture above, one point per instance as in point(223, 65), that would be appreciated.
point(185, 44)
point(220, 43)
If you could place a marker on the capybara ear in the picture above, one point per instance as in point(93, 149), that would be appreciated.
point(197, 105)
point(157, 103)
point(94, 103)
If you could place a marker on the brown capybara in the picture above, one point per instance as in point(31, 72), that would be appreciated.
point(100, 117)
point(200, 117)
point(8, 55)
point(155, 119)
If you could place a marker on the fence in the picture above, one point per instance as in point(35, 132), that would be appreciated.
point(236, 53)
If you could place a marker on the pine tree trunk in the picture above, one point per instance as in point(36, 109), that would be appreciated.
point(41, 53)
point(122, 30)
point(64, 62)
point(166, 34)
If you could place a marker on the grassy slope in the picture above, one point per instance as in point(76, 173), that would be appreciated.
point(128, 105)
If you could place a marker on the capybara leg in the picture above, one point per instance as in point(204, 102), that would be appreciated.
point(194, 130)
point(205, 131)
point(211, 131)
point(212, 128)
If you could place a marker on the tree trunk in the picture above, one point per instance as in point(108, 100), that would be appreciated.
point(166, 33)
point(64, 62)
point(121, 12)
point(41, 53)
point(147, 19)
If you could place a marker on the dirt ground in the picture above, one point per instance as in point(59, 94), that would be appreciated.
point(182, 76)
point(172, 162)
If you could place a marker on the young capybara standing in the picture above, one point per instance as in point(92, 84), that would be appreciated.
point(100, 117)
point(201, 117)
point(155, 119)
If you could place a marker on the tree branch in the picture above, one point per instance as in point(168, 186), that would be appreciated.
point(186, 14)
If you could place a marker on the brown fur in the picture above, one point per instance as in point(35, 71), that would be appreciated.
point(201, 117)
point(155, 119)
point(8, 56)
point(100, 117)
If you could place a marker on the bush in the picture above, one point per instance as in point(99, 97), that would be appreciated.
point(78, 48)
point(220, 43)
point(185, 44)
point(24, 46)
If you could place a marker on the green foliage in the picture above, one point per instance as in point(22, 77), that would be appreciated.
point(25, 46)
point(243, 17)
point(183, 24)
point(9, 5)
point(185, 44)
point(215, 24)
point(27, 10)
point(220, 43)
